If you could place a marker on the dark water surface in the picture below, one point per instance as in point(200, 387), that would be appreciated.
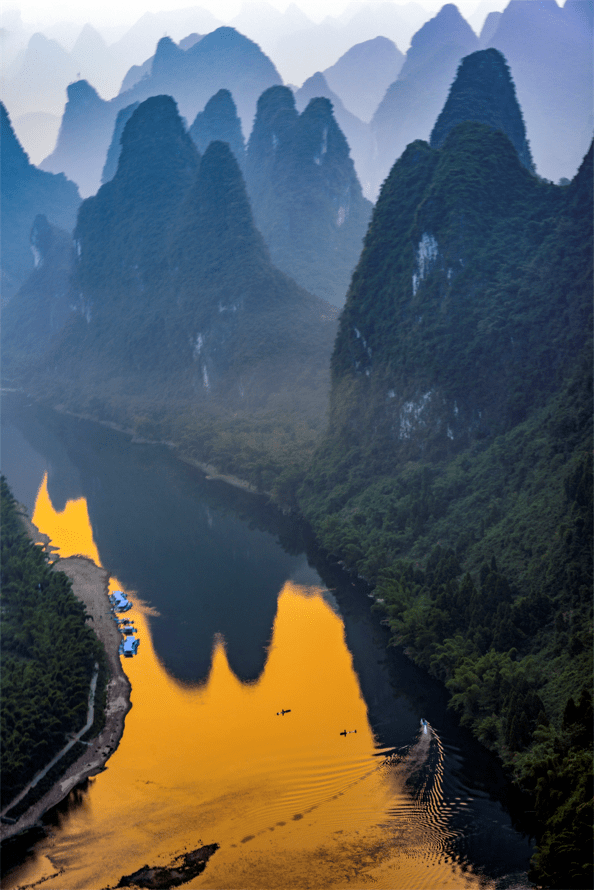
point(239, 618)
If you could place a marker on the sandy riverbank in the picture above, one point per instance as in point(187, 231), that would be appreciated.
point(90, 584)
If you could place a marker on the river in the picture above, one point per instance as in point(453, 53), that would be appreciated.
point(240, 619)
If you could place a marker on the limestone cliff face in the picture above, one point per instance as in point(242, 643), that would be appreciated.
point(449, 333)
point(42, 305)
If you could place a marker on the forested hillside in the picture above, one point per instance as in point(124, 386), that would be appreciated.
point(48, 656)
point(456, 476)
point(484, 91)
point(179, 327)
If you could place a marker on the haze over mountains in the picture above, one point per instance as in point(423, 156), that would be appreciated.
point(223, 59)
point(535, 38)
point(172, 274)
point(437, 432)
point(202, 67)
point(306, 197)
point(27, 192)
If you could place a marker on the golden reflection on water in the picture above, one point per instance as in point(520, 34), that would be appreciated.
point(291, 802)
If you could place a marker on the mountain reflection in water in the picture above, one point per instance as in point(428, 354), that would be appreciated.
point(235, 628)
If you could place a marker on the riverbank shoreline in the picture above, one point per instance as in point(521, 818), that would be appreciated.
point(211, 472)
point(90, 583)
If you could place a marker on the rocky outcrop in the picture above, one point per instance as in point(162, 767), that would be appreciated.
point(186, 867)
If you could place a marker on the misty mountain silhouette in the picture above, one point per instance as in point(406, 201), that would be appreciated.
point(27, 192)
point(219, 123)
point(483, 91)
point(223, 59)
point(174, 293)
point(307, 199)
point(362, 75)
point(357, 133)
point(411, 104)
point(549, 50)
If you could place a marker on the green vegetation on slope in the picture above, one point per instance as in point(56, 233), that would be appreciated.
point(484, 91)
point(456, 476)
point(48, 656)
point(182, 330)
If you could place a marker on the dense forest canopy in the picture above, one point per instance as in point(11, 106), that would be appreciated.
point(456, 475)
point(48, 655)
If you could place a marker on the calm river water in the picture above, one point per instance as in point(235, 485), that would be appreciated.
point(238, 622)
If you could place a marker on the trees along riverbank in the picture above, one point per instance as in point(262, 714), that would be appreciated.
point(48, 659)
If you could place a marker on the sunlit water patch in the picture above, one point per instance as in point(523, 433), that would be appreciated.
point(307, 798)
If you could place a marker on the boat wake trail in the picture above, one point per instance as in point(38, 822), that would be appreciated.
point(423, 810)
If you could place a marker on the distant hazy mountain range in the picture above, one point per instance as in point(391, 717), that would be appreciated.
point(382, 100)
point(549, 50)
point(223, 59)
point(305, 193)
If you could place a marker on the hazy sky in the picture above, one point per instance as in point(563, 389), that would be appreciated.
point(116, 12)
